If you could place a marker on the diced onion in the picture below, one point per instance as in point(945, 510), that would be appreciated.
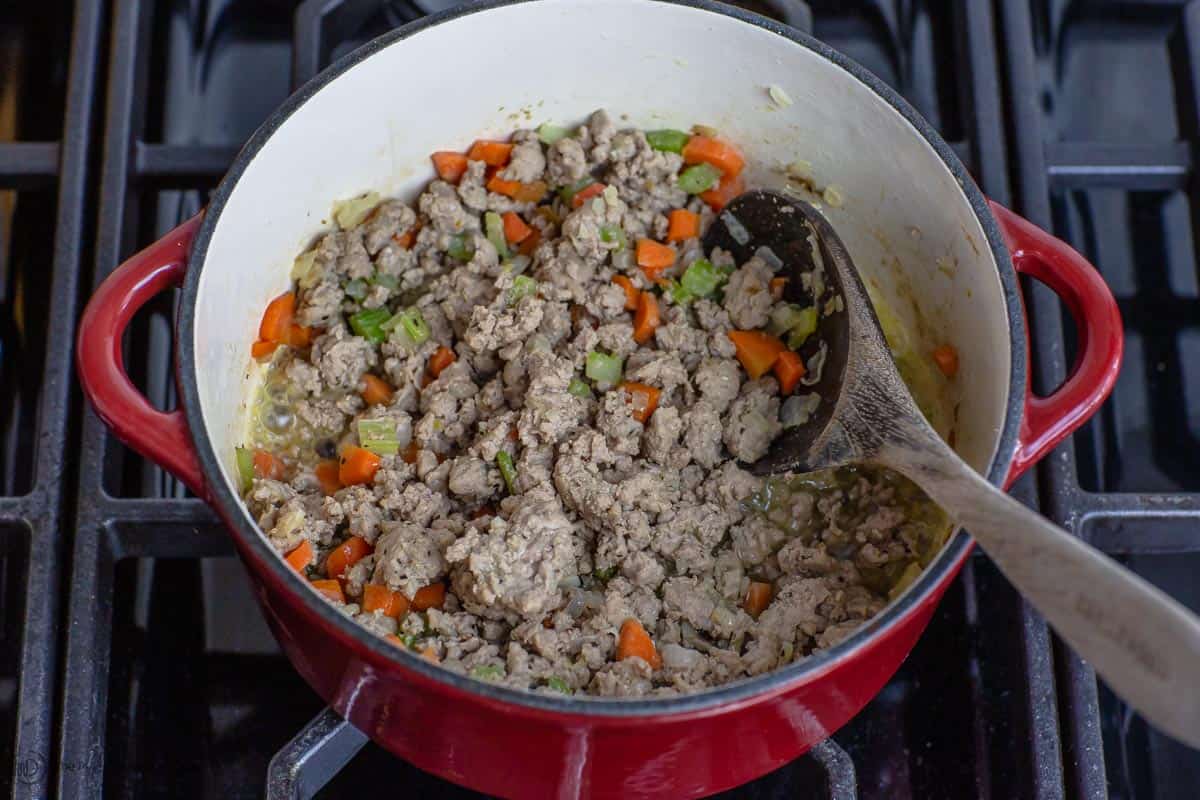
point(798, 409)
point(304, 269)
point(779, 96)
point(351, 213)
point(736, 229)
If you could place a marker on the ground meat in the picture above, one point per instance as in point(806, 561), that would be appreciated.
point(537, 501)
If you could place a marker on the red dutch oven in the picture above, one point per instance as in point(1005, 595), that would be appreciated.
point(943, 258)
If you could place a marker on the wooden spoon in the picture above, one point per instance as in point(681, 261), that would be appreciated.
point(1144, 643)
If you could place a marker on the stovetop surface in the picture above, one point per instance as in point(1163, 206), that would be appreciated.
point(133, 662)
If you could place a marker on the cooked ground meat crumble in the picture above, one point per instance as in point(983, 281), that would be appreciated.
point(500, 423)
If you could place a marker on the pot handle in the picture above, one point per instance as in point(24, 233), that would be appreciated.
point(1049, 420)
point(161, 436)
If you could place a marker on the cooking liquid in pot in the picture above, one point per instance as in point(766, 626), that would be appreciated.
point(503, 429)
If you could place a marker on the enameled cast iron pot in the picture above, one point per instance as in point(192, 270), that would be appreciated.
point(912, 218)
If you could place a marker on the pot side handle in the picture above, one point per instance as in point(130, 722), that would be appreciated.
point(161, 436)
point(1049, 420)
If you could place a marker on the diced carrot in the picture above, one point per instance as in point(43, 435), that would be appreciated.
point(431, 596)
point(646, 320)
point(450, 166)
point(515, 229)
point(521, 192)
point(644, 399)
point(724, 192)
point(634, 641)
point(299, 336)
point(276, 325)
point(682, 225)
point(394, 639)
point(494, 154)
point(789, 369)
point(757, 351)
point(529, 245)
point(758, 597)
point(654, 258)
point(327, 475)
point(357, 466)
point(430, 654)
point(777, 287)
point(261, 349)
point(409, 454)
point(346, 555)
point(331, 589)
point(267, 465)
point(381, 598)
point(946, 357)
point(708, 150)
point(376, 391)
point(587, 193)
point(300, 556)
point(426, 379)
point(406, 239)
point(441, 358)
point(631, 292)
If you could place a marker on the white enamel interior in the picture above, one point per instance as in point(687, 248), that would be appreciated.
point(905, 218)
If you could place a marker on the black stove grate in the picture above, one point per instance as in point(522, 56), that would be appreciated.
point(170, 684)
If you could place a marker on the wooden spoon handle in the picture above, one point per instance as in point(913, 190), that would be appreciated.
point(1145, 644)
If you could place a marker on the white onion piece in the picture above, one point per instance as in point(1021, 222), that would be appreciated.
point(798, 409)
point(736, 229)
point(676, 657)
point(814, 366)
point(768, 255)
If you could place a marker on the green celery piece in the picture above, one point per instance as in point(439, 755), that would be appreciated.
point(603, 368)
point(549, 134)
point(487, 672)
point(699, 178)
point(378, 436)
point(508, 470)
point(701, 279)
point(558, 685)
point(494, 226)
point(460, 249)
point(670, 141)
point(567, 193)
point(579, 388)
point(805, 327)
point(368, 324)
point(613, 233)
point(523, 286)
point(245, 466)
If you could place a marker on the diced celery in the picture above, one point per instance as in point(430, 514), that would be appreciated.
point(245, 465)
point(603, 368)
point(670, 141)
point(699, 178)
point(356, 289)
point(351, 213)
point(784, 318)
point(701, 279)
point(487, 672)
point(579, 388)
point(460, 248)
point(412, 323)
point(804, 327)
point(369, 324)
point(678, 294)
point(549, 134)
point(606, 574)
point(614, 233)
point(508, 470)
point(523, 286)
point(386, 279)
point(558, 685)
point(378, 436)
point(494, 226)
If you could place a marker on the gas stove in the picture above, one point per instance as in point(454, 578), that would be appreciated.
point(133, 661)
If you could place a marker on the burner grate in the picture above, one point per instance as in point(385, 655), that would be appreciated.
point(163, 682)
